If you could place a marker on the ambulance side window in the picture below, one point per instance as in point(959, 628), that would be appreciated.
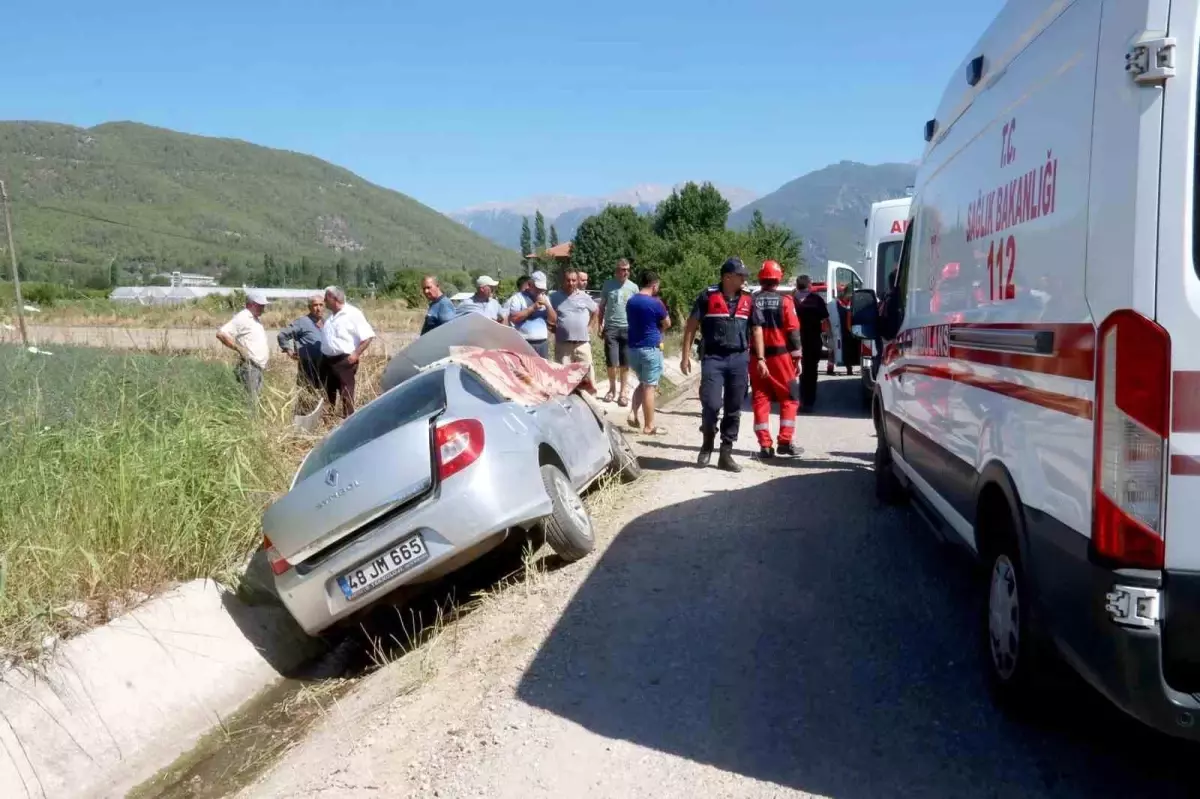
point(902, 269)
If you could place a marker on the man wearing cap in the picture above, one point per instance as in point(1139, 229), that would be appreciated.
point(441, 310)
point(244, 334)
point(344, 338)
point(301, 341)
point(482, 301)
point(530, 312)
point(729, 324)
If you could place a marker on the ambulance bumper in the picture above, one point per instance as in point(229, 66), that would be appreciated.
point(1122, 646)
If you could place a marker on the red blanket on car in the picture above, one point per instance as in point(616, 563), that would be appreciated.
point(525, 379)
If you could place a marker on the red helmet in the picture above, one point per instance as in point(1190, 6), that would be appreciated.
point(770, 271)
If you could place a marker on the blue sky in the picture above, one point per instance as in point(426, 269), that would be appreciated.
point(457, 103)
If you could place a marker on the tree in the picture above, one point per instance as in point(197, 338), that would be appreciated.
point(271, 275)
point(114, 274)
point(342, 269)
point(553, 236)
point(774, 242)
point(539, 233)
point(358, 275)
point(692, 209)
point(526, 241)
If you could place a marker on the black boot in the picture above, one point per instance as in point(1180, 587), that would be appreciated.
point(725, 461)
point(706, 449)
point(766, 453)
point(786, 450)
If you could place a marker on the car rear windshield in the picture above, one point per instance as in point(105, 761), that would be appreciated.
point(886, 260)
point(418, 398)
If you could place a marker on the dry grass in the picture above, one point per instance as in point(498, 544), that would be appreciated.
point(210, 313)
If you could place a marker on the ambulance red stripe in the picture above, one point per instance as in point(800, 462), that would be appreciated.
point(1052, 400)
point(1185, 416)
point(1185, 466)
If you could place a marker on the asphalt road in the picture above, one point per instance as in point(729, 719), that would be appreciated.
point(775, 633)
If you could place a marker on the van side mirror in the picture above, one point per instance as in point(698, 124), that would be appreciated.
point(864, 314)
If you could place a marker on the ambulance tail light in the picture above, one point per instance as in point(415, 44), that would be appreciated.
point(1133, 391)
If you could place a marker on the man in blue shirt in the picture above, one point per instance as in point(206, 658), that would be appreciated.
point(647, 318)
point(301, 341)
point(530, 312)
point(482, 301)
point(441, 310)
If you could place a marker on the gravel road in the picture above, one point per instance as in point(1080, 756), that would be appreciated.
point(768, 634)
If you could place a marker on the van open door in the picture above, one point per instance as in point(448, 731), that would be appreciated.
point(841, 281)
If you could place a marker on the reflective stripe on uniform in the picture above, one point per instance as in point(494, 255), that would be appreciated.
point(763, 426)
point(786, 423)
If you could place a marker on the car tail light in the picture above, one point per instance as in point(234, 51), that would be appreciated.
point(279, 564)
point(865, 349)
point(458, 444)
point(1133, 391)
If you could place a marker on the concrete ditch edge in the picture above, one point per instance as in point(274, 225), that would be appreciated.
point(112, 707)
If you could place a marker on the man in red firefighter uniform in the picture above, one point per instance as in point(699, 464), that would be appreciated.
point(781, 346)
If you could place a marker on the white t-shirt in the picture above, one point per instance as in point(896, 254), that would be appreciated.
point(344, 331)
point(248, 332)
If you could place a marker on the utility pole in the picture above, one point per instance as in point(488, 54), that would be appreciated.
point(12, 254)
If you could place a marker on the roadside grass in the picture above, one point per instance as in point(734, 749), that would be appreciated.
point(123, 473)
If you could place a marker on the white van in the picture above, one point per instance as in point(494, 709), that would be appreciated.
point(885, 225)
point(1040, 393)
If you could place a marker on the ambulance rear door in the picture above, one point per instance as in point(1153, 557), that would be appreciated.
point(841, 281)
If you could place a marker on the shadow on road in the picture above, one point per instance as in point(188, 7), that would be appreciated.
point(831, 650)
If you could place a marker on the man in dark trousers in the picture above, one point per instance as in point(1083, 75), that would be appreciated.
point(812, 311)
point(729, 323)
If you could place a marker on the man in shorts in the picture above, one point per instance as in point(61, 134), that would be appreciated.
point(648, 318)
point(614, 295)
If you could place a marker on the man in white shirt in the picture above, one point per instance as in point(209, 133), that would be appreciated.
point(344, 338)
point(245, 335)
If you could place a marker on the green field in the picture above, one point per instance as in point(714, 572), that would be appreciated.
point(122, 474)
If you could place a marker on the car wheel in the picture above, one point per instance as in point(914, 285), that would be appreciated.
point(1012, 653)
point(624, 461)
point(888, 488)
point(569, 526)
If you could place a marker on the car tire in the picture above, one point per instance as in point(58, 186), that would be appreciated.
point(888, 488)
point(624, 462)
point(569, 526)
point(1014, 655)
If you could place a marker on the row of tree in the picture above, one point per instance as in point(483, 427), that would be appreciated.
point(535, 243)
point(685, 240)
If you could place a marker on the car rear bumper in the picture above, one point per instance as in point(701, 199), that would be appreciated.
point(457, 523)
point(1129, 665)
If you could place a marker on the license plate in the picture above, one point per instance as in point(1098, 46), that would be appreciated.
point(386, 566)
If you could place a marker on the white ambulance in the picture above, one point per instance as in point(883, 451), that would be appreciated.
point(1039, 399)
point(885, 225)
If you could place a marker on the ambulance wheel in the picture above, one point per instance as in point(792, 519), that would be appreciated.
point(888, 488)
point(1014, 655)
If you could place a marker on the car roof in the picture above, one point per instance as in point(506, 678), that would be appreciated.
point(468, 330)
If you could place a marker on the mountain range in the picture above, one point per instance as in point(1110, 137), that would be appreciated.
point(157, 199)
point(827, 208)
point(501, 221)
point(151, 199)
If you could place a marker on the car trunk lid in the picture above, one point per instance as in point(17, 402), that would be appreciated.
point(377, 461)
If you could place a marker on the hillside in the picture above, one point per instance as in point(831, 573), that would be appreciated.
point(827, 207)
point(501, 221)
point(155, 199)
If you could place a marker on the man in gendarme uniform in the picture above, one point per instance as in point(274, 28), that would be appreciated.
point(729, 322)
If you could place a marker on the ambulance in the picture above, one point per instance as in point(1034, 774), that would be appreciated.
point(1039, 397)
point(885, 225)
